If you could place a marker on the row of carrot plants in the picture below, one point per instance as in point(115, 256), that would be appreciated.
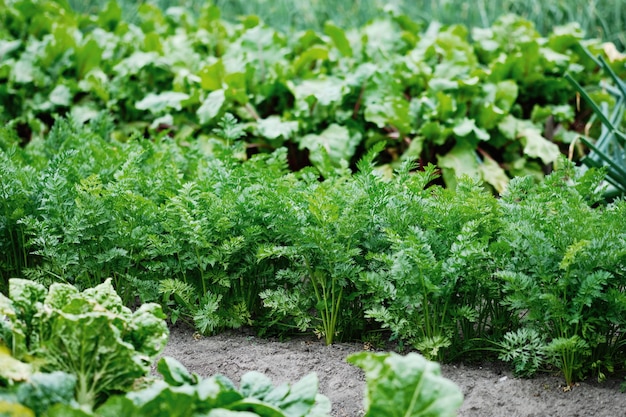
point(537, 274)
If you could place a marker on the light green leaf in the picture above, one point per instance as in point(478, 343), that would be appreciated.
point(467, 126)
point(88, 57)
point(255, 384)
point(61, 96)
point(506, 94)
point(211, 107)
point(314, 53)
point(442, 84)
point(211, 76)
point(406, 386)
point(6, 47)
point(134, 63)
point(339, 38)
point(174, 373)
point(335, 140)
point(389, 111)
point(535, 145)
point(158, 103)
point(326, 91)
point(273, 128)
point(460, 160)
point(492, 173)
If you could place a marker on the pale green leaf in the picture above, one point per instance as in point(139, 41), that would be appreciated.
point(406, 386)
point(335, 140)
point(273, 128)
point(467, 126)
point(61, 96)
point(211, 107)
point(158, 103)
point(492, 173)
point(460, 160)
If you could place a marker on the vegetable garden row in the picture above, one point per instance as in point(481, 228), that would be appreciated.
point(239, 176)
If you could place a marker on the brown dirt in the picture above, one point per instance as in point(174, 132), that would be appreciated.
point(489, 390)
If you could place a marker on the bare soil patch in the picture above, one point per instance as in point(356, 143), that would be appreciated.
point(489, 390)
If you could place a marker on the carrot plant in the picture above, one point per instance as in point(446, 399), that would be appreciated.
point(562, 268)
point(432, 286)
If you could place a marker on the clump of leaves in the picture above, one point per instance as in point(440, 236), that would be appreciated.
point(409, 386)
point(181, 393)
point(88, 334)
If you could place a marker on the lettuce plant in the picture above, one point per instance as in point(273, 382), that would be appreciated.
point(181, 393)
point(407, 386)
point(88, 334)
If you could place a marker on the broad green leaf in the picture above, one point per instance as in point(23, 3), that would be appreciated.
point(467, 126)
point(314, 53)
point(134, 63)
point(217, 391)
point(297, 400)
point(259, 408)
point(212, 76)
point(174, 373)
point(406, 386)
point(442, 84)
point(506, 94)
point(390, 111)
point(59, 295)
point(326, 91)
point(273, 128)
point(535, 145)
point(61, 96)
point(460, 160)
point(6, 47)
point(255, 385)
point(158, 103)
point(339, 38)
point(88, 57)
point(236, 89)
point(335, 140)
point(492, 173)
point(211, 106)
point(43, 390)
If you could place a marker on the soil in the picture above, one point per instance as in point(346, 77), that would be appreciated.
point(490, 389)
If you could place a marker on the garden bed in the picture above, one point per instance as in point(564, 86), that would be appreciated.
point(490, 389)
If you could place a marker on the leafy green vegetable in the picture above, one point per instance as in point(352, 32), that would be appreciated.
point(423, 91)
point(180, 394)
point(406, 386)
point(88, 334)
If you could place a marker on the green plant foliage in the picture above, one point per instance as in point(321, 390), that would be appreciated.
point(609, 149)
point(183, 394)
point(446, 94)
point(89, 335)
point(561, 263)
point(222, 240)
point(406, 386)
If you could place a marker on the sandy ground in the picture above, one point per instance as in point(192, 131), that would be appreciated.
point(490, 390)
